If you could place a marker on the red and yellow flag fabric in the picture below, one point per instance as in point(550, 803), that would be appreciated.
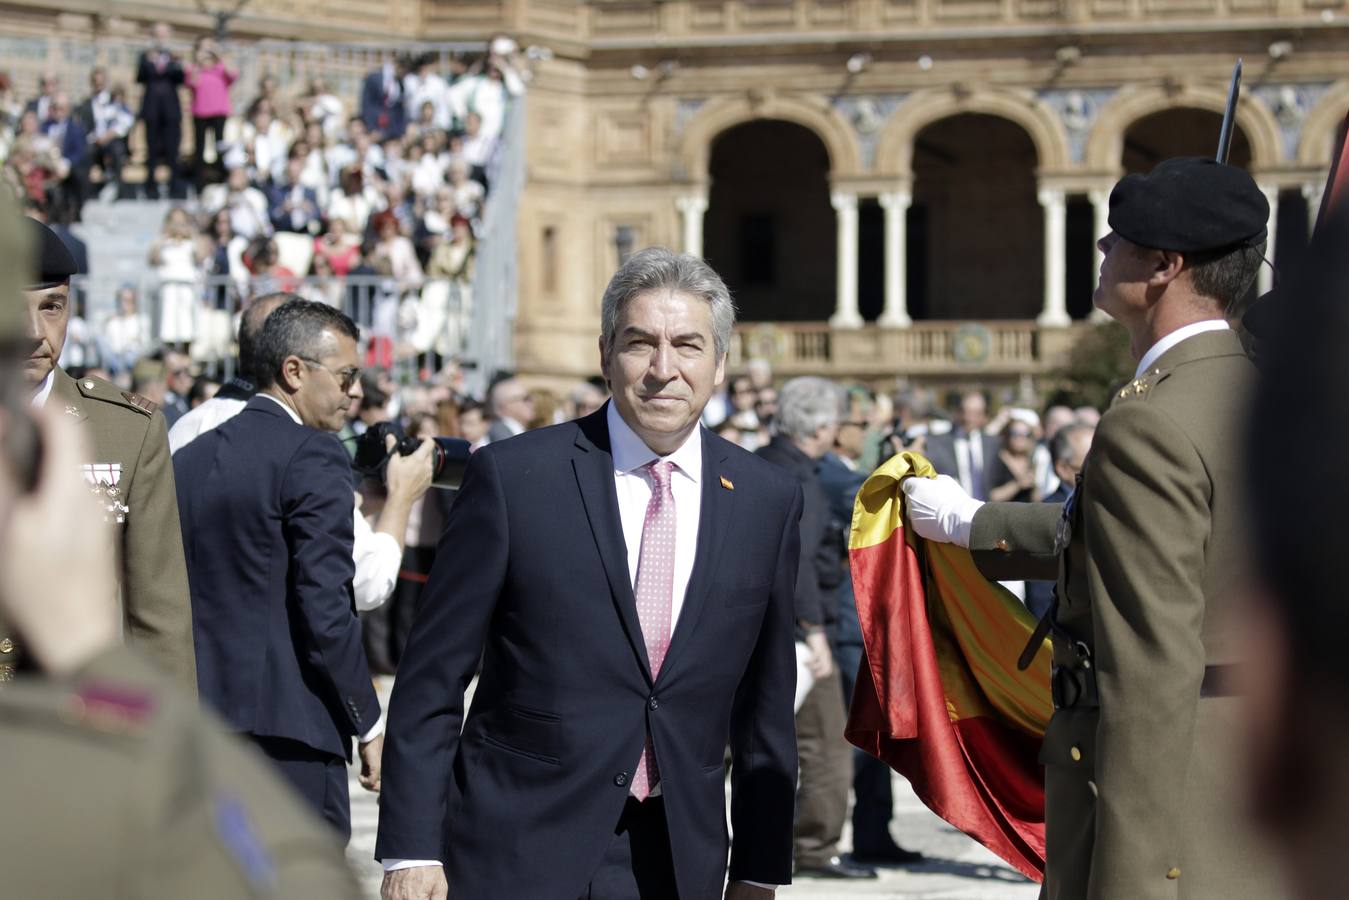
point(939, 697)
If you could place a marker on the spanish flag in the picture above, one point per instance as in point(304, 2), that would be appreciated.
point(939, 697)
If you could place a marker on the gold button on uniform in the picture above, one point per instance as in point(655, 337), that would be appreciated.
point(1002, 544)
point(88, 385)
point(1076, 754)
point(1173, 873)
point(6, 645)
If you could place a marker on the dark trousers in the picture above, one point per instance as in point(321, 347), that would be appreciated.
point(407, 597)
point(200, 128)
point(637, 865)
point(111, 158)
point(320, 778)
point(826, 773)
point(163, 135)
point(874, 802)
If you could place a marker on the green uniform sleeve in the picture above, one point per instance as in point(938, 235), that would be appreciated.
point(157, 603)
point(1015, 541)
point(1146, 517)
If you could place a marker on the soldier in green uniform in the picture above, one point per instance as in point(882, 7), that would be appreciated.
point(1142, 801)
point(129, 468)
point(118, 785)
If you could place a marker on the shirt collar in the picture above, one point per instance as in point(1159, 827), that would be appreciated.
point(1188, 331)
point(630, 452)
point(44, 390)
point(290, 412)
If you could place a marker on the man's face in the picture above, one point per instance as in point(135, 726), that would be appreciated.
point(98, 80)
point(766, 404)
point(178, 373)
point(743, 394)
point(48, 316)
point(663, 366)
point(850, 438)
point(514, 402)
point(1126, 268)
point(329, 383)
point(472, 426)
point(973, 412)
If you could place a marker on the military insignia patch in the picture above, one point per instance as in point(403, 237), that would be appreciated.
point(140, 402)
point(72, 410)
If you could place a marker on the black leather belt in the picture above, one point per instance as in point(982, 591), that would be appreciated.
point(1075, 686)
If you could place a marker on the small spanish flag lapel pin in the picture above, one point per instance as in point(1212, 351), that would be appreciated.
point(727, 483)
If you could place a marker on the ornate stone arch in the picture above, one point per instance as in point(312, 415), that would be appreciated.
point(1105, 144)
point(695, 144)
point(1317, 140)
point(895, 149)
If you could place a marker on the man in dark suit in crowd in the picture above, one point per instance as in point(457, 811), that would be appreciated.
point(512, 408)
point(72, 142)
point(267, 529)
point(873, 806)
point(966, 452)
point(383, 106)
point(809, 412)
point(1068, 450)
point(626, 580)
point(161, 73)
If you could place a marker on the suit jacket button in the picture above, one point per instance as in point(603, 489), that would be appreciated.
point(621, 779)
point(1173, 873)
point(653, 704)
point(1002, 545)
point(1076, 754)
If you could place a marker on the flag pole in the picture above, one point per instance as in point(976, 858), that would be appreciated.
point(1229, 115)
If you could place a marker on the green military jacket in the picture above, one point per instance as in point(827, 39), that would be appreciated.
point(126, 789)
point(1143, 801)
point(132, 472)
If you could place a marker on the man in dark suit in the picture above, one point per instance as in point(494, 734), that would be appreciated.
point(966, 453)
point(383, 107)
point(624, 644)
point(512, 409)
point(161, 73)
point(290, 205)
point(266, 510)
point(72, 142)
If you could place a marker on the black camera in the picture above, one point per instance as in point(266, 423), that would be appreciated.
point(449, 457)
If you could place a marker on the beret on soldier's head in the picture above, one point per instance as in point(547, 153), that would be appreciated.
point(53, 263)
point(1190, 204)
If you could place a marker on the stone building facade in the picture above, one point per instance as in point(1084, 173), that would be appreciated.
point(889, 186)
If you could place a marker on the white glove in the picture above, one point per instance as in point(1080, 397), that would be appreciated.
point(940, 510)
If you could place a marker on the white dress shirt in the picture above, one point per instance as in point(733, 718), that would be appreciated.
point(205, 417)
point(1188, 331)
point(44, 390)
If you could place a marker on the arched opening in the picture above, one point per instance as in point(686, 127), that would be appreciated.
point(1179, 132)
point(769, 227)
point(976, 234)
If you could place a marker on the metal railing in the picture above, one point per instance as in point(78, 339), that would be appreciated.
point(407, 328)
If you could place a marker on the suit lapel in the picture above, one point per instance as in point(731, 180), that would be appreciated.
point(713, 519)
point(594, 466)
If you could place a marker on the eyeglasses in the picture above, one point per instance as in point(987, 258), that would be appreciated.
point(345, 377)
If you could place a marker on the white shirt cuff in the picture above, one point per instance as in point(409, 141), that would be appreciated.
point(393, 865)
point(375, 730)
point(758, 884)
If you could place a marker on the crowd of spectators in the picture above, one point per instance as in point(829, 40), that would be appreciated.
point(372, 203)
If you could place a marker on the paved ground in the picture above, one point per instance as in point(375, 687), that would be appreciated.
point(957, 867)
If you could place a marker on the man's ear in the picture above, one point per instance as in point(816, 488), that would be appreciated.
point(1167, 266)
point(604, 361)
point(292, 374)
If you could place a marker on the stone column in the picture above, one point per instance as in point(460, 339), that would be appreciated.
point(1312, 191)
point(896, 206)
point(1055, 206)
point(1265, 280)
point(845, 217)
point(691, 210)
point(1100, 218)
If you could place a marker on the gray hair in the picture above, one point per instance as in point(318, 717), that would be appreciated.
point(807, 404)
point(658, 269)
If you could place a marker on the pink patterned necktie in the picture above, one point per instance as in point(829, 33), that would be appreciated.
point(655, 597)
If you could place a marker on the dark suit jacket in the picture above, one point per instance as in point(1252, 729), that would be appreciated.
point(277, 194)
point(532, 567)
point(840, 485)
point(389, 119)
point(267, 532)
point(941, 452)
point(818, 570)
point(160, 100)
point(74, 144)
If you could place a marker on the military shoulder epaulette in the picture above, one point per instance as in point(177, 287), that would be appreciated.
point(1140, 386)
point(98, 389)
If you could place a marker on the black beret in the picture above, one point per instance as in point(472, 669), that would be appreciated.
point(53, 263)
point(1190, 204)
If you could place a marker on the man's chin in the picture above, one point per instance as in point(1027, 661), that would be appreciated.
point(35, 371)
